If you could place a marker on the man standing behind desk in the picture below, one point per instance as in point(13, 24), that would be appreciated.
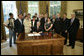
point(73, 29)
point(19, 24)
point(36, 17)
point(43, 21)
point(58, 24)
point(33, 24)
point(65, 25)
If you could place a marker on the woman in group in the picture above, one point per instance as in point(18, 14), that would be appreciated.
point(27, 24)
point(48, 25)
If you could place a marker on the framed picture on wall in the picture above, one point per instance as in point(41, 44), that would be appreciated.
point(79, 13)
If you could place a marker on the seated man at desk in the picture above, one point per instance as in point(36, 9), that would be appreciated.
point(38, 28)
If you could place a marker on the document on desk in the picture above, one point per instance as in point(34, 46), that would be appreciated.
point(34, 34)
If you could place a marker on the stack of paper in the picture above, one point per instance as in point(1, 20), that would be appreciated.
point(34, 34)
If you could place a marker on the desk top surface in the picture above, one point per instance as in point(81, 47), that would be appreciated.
point(41, 37)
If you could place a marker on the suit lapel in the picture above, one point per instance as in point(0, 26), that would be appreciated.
point(19, 22)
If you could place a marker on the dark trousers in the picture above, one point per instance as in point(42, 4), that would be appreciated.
point(65, 35)
point(12, 34)
point(72, 38)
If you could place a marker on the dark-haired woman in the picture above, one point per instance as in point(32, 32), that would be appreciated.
point(48, 25)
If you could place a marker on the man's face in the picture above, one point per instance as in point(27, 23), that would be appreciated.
point(35, 15)
point(33, 18)
point(54, 17)
point(72, 16)
point(46, 15)
point(64, 16)
point(42, 15)
point(58, 15)
point(20, 16)
point(11, 16)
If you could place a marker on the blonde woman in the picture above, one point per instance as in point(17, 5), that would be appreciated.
point(27, 23)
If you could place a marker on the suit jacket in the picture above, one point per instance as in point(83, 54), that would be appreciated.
point(53, 20)
point(33, 27)
point(19, 28)
point(58, 25)
point(74, 27)
point(37, 19)
point(65, 24)
point(42, 21)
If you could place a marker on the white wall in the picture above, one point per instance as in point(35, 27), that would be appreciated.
point(72, 5)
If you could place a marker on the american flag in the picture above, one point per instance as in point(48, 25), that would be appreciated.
point(20, 11)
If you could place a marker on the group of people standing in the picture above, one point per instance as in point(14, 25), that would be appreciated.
point(43, 23)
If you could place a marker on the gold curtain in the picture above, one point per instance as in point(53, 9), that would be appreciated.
point(3, 33)
point(63, 7)
point(42, 7)
point(24, 6)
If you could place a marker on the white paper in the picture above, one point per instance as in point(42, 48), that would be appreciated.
point(34, 34)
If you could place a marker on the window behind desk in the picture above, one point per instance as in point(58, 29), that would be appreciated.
point(33, 7)
point(9, 7)
point(55, 7)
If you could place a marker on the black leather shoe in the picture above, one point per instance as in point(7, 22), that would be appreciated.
point(10, 45)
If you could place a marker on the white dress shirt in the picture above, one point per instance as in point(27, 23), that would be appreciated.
point(20, 20)
point(72, 20)
point(33, 23)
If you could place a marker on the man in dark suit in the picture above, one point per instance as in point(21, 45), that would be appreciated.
point(33, 23)
point(73, 29)
point(19, 24)
point(36, 17)
point(58, 24)
point(65, 25)
point(43, 21)
point(53, 19)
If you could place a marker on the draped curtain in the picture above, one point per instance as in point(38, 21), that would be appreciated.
point(42, 7)
point(3, 33)
point(23, 5)
point(63, 7)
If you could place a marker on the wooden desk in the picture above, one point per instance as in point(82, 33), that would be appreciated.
point(80, 34)
point(46, 45)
